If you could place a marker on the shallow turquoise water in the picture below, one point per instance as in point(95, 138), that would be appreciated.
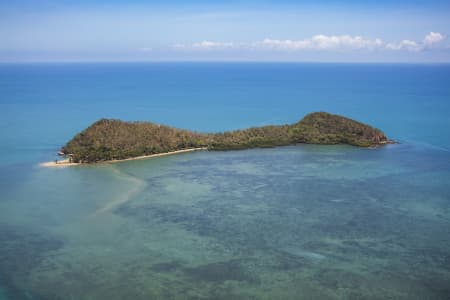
point(298, 222)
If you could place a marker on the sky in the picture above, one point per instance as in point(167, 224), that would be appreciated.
point(217, 30)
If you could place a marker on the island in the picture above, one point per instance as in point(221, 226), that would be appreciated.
point(116, 140)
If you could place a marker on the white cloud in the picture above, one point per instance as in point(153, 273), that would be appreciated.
point(207, 45)
point(432, 39)
point(405, 45)
point(323, 42)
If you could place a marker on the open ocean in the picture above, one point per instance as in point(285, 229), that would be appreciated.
point(297, 222)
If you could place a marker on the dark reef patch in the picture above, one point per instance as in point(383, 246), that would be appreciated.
point(220, 272)
point(166, 266)
point(20, 252)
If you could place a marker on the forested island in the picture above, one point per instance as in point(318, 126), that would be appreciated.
point(108, 139)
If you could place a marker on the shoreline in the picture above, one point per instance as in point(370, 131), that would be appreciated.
point(66, 163)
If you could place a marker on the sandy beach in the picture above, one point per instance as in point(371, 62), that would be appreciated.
point(67, 163)
point(58, 163)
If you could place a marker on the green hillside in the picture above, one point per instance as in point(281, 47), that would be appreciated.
point(114, 139)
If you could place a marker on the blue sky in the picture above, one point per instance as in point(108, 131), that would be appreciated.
point(137, 30)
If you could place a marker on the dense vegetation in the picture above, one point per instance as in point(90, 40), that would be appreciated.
point(114, 139)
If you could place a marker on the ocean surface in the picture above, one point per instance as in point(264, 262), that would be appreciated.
point(297, 222)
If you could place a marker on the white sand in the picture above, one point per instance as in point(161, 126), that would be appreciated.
point(66, 163)
point(59, 163)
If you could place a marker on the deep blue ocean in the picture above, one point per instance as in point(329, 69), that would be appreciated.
point(297, 222)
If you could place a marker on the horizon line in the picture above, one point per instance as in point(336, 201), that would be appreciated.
point(218, 61)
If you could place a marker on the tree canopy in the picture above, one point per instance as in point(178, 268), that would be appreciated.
point(109, 139)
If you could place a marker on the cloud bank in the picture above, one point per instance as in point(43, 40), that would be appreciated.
point(321, 42)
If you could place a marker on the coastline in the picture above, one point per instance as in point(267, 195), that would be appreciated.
point(66, 163)
point(60, 163)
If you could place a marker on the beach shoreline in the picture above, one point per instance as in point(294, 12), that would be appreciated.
point(67, 163)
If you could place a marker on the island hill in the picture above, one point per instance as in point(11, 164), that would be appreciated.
point(108, 140)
